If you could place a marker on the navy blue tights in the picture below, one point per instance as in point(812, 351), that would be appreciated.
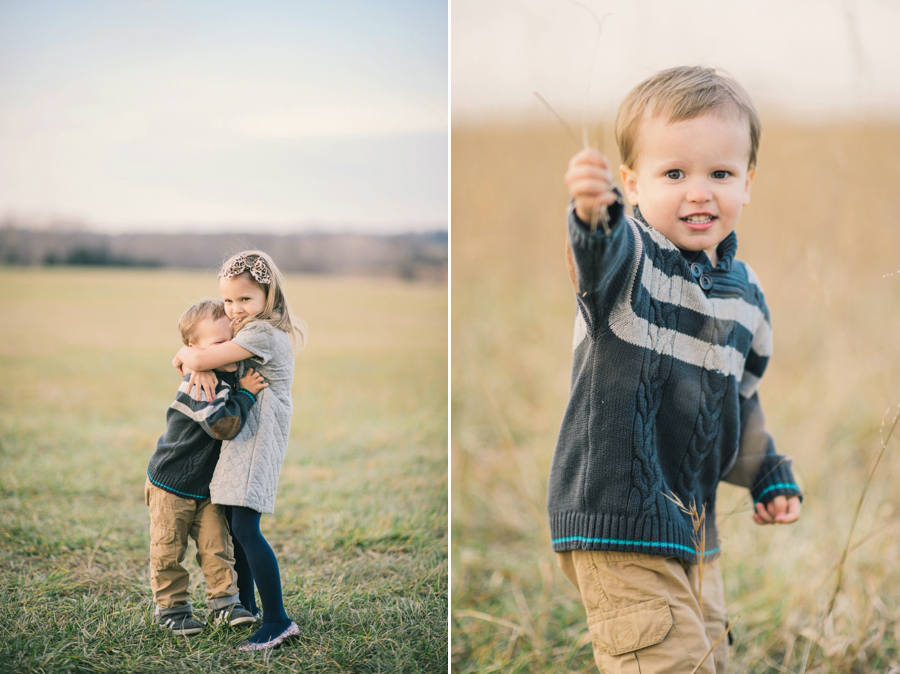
point(255, 562)
point(246, 591)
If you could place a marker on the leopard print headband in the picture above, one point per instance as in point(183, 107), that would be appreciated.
point(257, 268)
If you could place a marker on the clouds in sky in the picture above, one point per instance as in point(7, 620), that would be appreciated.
point(168, 115)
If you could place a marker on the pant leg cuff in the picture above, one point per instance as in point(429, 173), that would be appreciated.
point(180, 609)
point(222, 602)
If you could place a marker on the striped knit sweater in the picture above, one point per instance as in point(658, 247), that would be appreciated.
point(187, 453)
point(668, 354)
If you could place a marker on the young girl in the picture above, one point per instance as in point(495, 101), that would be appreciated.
point(246, 474)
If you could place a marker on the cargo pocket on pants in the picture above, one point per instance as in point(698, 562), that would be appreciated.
point(630, 628)
point(164, 548)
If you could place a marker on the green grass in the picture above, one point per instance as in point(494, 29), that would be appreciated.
point(360, 523)
point(821, 233)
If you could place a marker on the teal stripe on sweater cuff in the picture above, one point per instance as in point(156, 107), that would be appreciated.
point(247, 393)
point(781, 485)
point(775, 480)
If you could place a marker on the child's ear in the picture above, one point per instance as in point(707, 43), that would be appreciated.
point(751, 174)
point(629, 183)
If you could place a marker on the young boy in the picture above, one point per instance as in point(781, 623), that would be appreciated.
point(671, 338)
point(177, 487)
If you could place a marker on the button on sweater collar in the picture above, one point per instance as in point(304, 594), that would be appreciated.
point(726, 250)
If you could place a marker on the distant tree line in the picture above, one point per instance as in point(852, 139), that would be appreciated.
point(413, 256)
point(93, 257)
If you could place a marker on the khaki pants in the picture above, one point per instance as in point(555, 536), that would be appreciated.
point(643, 611)
point(172, 520)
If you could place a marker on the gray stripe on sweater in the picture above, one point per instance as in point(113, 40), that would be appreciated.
point(633, 329)
point(687, 294)
point(201, 414)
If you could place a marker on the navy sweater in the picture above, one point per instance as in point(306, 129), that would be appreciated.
point(668, 354)
point(186, 454)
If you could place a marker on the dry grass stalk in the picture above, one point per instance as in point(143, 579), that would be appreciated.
point(587, 88)
point(517, 630)
point(840, 566)
point(90, 562)
point(598, 213)
point(715, 644)
point(465, 613)
point(568, 128)
point(698, 523)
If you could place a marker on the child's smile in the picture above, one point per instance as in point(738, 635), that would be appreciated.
point(691, 178)
point(699, 221)
point(242, 296)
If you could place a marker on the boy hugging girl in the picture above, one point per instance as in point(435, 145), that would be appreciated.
point(177, 486)
point(672, 336)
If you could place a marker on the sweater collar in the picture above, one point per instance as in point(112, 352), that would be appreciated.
point(726, 249)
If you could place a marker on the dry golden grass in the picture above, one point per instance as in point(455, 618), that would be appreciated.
point(822, 234)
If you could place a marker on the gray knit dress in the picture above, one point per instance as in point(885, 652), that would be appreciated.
point(247, 471)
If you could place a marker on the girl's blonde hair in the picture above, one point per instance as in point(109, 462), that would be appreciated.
point(261, 270)
point(680, 94)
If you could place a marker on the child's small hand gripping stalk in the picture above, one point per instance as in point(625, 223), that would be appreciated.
point(590, 184)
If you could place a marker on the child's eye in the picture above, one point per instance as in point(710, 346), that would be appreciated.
point(720, 175)
point(675, 174)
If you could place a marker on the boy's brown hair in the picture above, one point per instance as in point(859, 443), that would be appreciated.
point(208, 308)
point(679, 94)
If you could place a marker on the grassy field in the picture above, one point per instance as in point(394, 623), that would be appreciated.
point(360, 527)
point(822, 234)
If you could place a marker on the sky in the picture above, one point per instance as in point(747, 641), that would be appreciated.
point(814, 59)
point(194, 115)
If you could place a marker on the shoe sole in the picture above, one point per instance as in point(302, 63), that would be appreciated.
point(290, 634)
point(183, 633)
point(247, 620)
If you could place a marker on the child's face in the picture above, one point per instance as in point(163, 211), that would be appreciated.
point(691, 178)
point(211, 331)
point(242, 296)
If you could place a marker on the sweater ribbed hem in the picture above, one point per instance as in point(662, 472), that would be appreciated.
point(597, 531)
point(173, 486)
point(775, 481)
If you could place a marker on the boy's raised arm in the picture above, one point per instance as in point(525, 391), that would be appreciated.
point(594, 254)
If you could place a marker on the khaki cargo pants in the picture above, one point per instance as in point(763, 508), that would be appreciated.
point(643, 611)
point(172, 520)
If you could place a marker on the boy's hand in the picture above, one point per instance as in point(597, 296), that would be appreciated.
point(589, 180)
point(203, 382)
point(780, 510)
point(253, 382)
